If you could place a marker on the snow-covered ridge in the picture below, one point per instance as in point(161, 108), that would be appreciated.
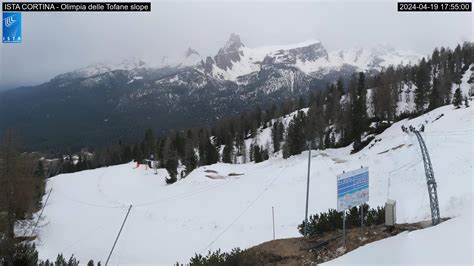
point(374, 57)
point(311, 57)
point(235, 60)
point(101, 68)
point(188, 58)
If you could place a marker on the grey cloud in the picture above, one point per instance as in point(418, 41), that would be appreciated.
point(54, 43)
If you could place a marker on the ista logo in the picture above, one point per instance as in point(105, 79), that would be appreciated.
point(11, 25)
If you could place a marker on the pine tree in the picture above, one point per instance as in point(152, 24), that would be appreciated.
point(243, 152)
point(445, 85)
point(265, 154)
point(126, 153)
point(327, 140)
point(385, 95)
point(179, 144)
point(60, 260)
point(190, 159)
point(137, 153)
point(257, 154)
point(466, 102)
point(277, 135)
point(285, 148)
point(18, 186)
point(301, 102)
point(434, 97)
point(296, 139)
point(39, 174)
point(39, 171)
point(340, 86)
point(457, 98)
point(251, 153)
point(359, 111)
point(149, 143)
point(170, 160)
point(422, 82)
point(457, 58)
point(227, 153)
point(212, 155)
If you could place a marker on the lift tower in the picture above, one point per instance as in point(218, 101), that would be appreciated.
point(430, 179)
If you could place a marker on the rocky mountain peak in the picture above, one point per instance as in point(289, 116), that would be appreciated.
point(129, 64)
point(234, 42)
point(309, 51)
point(231, 52)
point(191, 52)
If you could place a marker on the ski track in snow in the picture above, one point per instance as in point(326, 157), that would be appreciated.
point(170, 223)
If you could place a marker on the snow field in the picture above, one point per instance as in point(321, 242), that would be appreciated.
point(170, 223)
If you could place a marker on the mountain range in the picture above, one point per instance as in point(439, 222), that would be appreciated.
point(105, 103)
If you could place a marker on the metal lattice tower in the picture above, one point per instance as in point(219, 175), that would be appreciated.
point(430, 180)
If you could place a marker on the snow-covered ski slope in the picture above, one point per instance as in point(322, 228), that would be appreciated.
point(170, 223)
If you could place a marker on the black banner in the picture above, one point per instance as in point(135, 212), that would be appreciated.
point(76, 6)
point(434, 6)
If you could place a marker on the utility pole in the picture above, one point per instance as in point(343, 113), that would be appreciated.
point(41, 213)
point(273, 220)
point(307, 190)
point(118, 235)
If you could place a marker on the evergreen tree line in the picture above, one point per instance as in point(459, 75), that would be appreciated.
point(337, 115)
point(22, 185)
point(235, 257)
point(332, 220)
point(343, 113)
point(27, 255)
point(194, 147)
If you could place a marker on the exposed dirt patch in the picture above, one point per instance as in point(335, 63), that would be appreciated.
point(215, 176)
point(337, 160)
point(210, 171)
point(394, 148)
point(234, 174)
point(325, 247)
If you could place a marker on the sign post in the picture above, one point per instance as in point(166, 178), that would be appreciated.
point(344, 227)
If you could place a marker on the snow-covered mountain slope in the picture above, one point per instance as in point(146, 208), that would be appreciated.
point(405, 104)
point(235, 59)
point(170, 223)
point(189, 58)
point(375, 57)
point(239, 63)
point(101, 68)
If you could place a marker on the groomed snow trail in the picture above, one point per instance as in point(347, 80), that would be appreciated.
point(170, 223)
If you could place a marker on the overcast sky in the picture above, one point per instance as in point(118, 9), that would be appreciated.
point(55, 43)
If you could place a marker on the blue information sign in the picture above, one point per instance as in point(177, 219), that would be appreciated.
point(352, 188)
